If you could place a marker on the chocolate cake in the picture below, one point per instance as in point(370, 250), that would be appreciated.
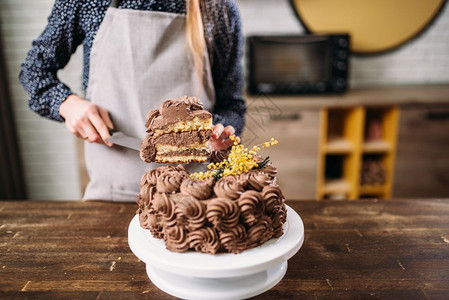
point(229, 214)
point(178, 132)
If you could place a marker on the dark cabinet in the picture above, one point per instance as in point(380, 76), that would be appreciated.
point(422, 160)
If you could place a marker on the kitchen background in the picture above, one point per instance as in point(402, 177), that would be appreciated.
point(48, 151)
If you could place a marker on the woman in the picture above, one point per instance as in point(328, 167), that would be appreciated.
point(136, 55)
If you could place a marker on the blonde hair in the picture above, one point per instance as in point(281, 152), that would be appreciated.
point(195, 35)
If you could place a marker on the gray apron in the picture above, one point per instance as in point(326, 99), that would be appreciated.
point(138, 60)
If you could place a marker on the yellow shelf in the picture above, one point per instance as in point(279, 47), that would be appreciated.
point(342, 132)
point(336, 186)
point(339, 146)
point(372, 189)
point(377, 146)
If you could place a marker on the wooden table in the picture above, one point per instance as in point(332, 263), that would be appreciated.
point(395, 249)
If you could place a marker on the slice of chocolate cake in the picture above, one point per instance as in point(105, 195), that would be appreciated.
point(178, 132)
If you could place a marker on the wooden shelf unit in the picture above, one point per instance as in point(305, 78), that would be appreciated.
point(339, 146)
point(377, 146)
point(336, 186)
point(348, 136)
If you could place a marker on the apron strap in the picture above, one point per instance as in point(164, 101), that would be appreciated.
point(114, 3)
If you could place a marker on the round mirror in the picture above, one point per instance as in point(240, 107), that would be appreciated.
point(374, 26)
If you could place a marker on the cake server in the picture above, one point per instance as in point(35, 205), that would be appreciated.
point(121, 139)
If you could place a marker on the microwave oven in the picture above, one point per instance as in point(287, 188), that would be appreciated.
point(298, 64)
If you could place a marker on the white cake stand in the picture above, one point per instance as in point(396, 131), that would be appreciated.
point(192, 275)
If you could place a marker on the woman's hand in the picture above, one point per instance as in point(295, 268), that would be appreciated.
point(220, 137)
point(86, 120)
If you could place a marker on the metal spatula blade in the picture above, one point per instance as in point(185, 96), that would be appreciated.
point(121, 139)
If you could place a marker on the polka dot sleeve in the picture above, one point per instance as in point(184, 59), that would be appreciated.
point(50, 52)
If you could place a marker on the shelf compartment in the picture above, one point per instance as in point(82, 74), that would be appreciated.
point(339, 146)
point(336, 187)
point(336, 123)
point(373, 189)
point(374, 124)
point(373, 171)
point(334, 166)
point(376, 146)
point(343, 124)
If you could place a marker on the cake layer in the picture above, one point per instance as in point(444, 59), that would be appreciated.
point(180, 158)
point(163, 149)
point(187, 152)
point(199, 124)
point(184, 138)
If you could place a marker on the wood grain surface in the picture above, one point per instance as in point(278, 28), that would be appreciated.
point(389, 249)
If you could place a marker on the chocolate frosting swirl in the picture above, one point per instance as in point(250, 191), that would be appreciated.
point(219, 155)
point(176, 239)
point(191, 213)
point(283, 214)
point(146, 195)
point(260, 232)
point(223, 213)
point(229, 187)
point(258, 179)
point(151, 176)
point(152, 222)
point(170, 181)
point(151, 115)
point(193, 102)
point(180, 168)
point(235, 240)
point(204, 240)
point(273, 198)
point(140, 203)
point(198, 188)
point(186, 102)
point(251, 206)
point(143, 180)
point(143, 218)
point(278, 220)
point(270, 170)
point(243, 179)
point(163, 206)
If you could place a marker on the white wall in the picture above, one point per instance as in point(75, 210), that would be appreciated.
point(47, 148)
point(424, 60)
